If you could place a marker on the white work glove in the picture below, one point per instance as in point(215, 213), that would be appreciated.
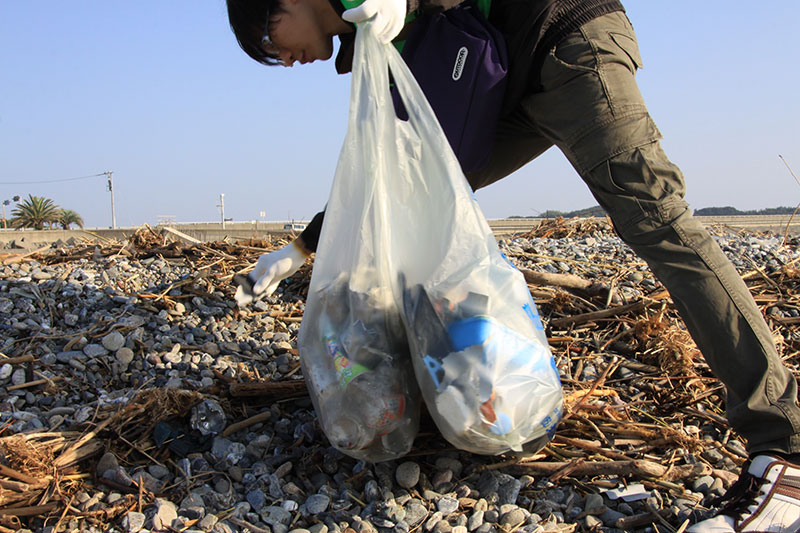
point(270, 269)
point(390, 17)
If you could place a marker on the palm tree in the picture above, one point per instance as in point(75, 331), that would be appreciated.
point(34, 212)
point(69, 217)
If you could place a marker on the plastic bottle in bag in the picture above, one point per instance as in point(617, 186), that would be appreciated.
point(367, 412)
point(368, 407)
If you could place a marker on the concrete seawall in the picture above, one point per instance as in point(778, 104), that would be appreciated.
point(27, 238)
point(206, 232)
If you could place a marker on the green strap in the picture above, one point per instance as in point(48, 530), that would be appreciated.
point(484, 6)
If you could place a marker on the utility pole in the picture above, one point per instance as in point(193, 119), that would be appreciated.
point(109, 174)
point(222, 208)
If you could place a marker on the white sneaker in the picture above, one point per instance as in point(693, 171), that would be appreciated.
point(765, 498)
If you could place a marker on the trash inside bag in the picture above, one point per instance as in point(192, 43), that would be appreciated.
point(357, 367)
point(410, 297)
point(488, 387)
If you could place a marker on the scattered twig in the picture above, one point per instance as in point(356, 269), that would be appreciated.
point(233, 428)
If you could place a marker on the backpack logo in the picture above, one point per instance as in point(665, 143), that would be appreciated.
point(461, 59)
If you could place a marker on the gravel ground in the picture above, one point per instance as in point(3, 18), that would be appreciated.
point(97, 341)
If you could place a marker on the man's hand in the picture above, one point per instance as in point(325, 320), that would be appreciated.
point(390, 16)
point(270, 269)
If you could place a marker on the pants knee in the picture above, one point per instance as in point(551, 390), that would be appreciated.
point(641, 190)
point(649, 225)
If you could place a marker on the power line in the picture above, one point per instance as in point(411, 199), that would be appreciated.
point(50, 181)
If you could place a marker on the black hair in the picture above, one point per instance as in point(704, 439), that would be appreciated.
point(248, 19)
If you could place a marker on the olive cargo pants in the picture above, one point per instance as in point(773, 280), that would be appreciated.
point(589, 105)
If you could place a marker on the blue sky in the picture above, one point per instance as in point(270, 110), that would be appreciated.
point(160, 94)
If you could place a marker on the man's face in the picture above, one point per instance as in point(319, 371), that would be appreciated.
point(297, 34)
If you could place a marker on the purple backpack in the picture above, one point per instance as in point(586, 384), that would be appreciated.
point(460, 62)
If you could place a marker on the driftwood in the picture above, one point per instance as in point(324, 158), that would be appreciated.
point(31, 510)
point(566, 281)
point(8, 259)
point(641, 520)
point(28, 358)
point(611, 312)
point(633, 467)
point(233, 428)
point(10, 472)
point(269, 388)
point(33, 383)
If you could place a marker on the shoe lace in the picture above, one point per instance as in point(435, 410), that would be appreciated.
point(741, 496)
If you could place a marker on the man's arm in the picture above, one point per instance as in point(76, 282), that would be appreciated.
point(309, 239)
point(275, 266)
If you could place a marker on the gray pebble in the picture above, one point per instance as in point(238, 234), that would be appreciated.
point(371, 491)
point(124, 356)
point(192, 513)
point(594, 503)
point(712, 455)
point(257, 499)
point(736, 447)
point(513, 518)
point(275, 515)
point(165, 513)
point(442, 526)
point(18, 377)
point(475, 520)
point(108, 462)
point(415, 513)
point(158, 471)
point(407, 474)
point(447, 505)
point(133, 522)
point(222, 485)
point(703, 484)
point(94, 350)
point(317, 503)
point(208, 522)
point(432, 520)
point(113, 341)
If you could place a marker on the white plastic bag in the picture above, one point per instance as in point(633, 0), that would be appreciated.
point(480, 353)
point(353, 347)
point(404, 242)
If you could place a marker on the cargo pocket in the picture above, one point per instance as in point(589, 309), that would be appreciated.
point(571, 58)
point(628, 45)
